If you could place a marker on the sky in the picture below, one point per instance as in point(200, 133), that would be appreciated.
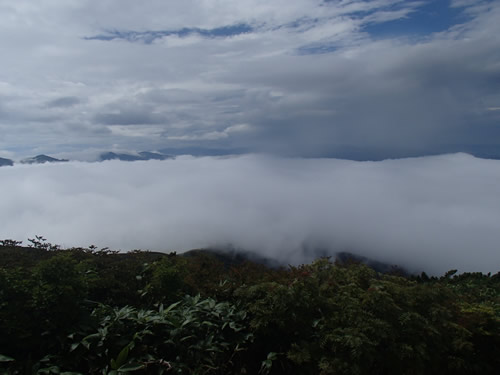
point(431, 214)
point(353, 79)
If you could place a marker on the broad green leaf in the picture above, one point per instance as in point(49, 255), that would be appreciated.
point(92, 336)
point(49, 370)
point(131, 367)
point(187, 321)
point(122, 356)
point(172, 306)
point(4, 358)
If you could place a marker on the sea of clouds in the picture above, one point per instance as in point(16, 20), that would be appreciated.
point(431, 213)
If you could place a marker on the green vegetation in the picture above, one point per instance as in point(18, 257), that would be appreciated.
point(90, 311)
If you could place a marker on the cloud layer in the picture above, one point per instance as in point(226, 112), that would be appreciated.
point(357, 79)
point(432, 213)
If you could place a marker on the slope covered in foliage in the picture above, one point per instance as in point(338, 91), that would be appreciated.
point(89, 311)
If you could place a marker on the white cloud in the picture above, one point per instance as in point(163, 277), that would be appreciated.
point(215, 135)
point(136, 130)
point(238, 128)
point(432, 213)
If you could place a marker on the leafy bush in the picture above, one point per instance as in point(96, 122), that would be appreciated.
point(166, 283)
point(193, 335)
point(92, 311)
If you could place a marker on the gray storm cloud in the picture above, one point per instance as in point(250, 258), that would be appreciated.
point(430, 213)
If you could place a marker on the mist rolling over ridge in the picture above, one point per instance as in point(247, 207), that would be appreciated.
point(431, 213)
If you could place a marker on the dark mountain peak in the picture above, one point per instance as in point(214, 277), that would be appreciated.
point(144, 155)
point(124, 157)
point(147, 155)
point(6, 162)
point(345, 258)
point(40, 159)
point(231, 257)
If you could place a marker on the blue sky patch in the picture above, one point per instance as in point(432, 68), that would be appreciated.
point(432, 17)
point(150, 36)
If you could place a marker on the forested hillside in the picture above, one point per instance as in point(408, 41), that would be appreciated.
point(91, 311)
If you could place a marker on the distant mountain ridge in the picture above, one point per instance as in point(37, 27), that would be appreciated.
point(41, 159)
point(346, 258)
point(230, 257)
point(123, 156)
point(6, 162)
point(144, 155)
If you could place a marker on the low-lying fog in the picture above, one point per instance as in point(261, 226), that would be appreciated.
point(431, 213)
